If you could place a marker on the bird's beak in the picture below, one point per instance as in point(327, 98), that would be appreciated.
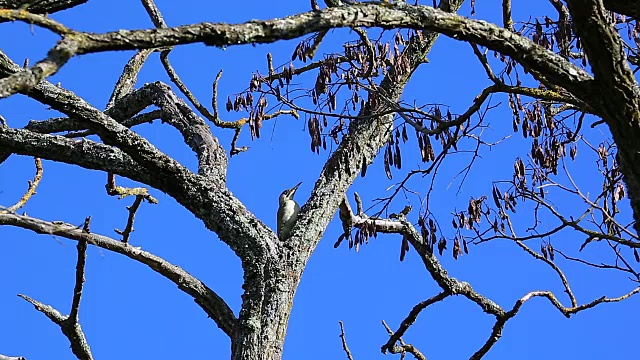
point(292, 191)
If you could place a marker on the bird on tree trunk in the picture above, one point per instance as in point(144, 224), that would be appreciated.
point(287, 212)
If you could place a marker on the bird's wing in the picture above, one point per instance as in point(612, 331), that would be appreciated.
point(280, 223)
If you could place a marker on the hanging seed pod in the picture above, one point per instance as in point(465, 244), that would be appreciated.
point(237, 103)
point(442, 245)
point(519, 169)
point(229, 104)
point(296, 52)
point(397, 157)
point(311, 127)
point(258, 124)
point(387, 165)
point(363, 171)
point(404, 247)
point(429, 149)
point(496, 196)
point(456, 248)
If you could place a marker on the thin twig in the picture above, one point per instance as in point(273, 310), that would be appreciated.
point(69, 324)
point(30, 191)
point(132, 214)
point(555, 267)
point(403, 348)
point(77, 290)
point(411, 318)
point(345, 347)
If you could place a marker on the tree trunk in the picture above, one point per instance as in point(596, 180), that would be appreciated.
point(614, 90)
point(266, 306)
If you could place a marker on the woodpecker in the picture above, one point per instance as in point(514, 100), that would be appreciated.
point(287, 212)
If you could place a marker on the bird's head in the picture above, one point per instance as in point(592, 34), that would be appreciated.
point(288, 194)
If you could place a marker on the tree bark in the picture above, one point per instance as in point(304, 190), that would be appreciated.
point(269, 289)
point(615, 93)
point(40, 6)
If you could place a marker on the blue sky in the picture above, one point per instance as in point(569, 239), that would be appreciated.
point(131, 312)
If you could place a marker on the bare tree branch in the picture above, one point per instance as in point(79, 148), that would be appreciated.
point(345, 347)
point(531, 56)
point(555, 267)
point(411, 318)
point(207, 299)
point(403, 348)
point(30, 191)
point(40, 6)
point(132, 214)
point(77, 290)
point(69, 324)
point(70, 329)
point(452, 286)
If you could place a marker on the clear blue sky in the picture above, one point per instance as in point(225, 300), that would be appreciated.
point(131, 312)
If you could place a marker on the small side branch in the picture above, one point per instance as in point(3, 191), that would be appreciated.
point(403, 348)
point(129, 76)
point(140, 194)
point(154, 13)
point(496, 332)
point(345, 347)
point(53, 314)
point(448, 284)
point(410, 319)
point(535, 93)
point(72, 331)
point(69, 324)
point(30, 18)
point(445, 125)
point(506, 15)
point(77, 290)
point(214, 116)
point(602, 300)
point(555, 267)
point(42, 7)
point(143, 118)
point(30, 191)
point(122, 192)
point(28, 78)
point(132, 214)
